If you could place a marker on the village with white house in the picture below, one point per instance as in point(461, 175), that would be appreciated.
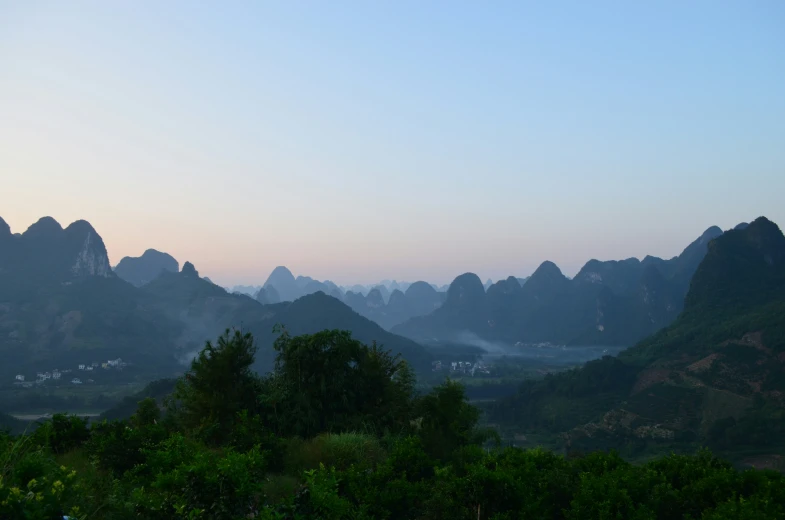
point(468, 368)
point(80, 375)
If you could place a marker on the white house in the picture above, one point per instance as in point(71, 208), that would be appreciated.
point(20, 377)
point(81, 367)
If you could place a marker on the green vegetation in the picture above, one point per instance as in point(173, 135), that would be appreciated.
point(336, 431)
point(715, 377)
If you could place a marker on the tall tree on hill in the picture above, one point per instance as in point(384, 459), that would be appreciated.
point(219, 385)
point(330, 382)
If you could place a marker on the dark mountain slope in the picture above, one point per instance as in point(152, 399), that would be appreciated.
point(141, 270)
point(46, 254)
point(157, 390)
point(606, 303)
point(207, 310)
point(318, 311)
point(60, 302)
point(61, 305)
point(419, 299)
point(716, 375)
point(285, 284)
point(464, 309)
point(10, 424)
point(268, 295)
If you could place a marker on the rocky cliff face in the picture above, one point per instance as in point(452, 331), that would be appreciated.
point(46, 251)
point(91, 258)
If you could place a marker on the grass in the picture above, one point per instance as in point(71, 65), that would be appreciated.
point(279, 487)
point(339, 450)
point(96, 484)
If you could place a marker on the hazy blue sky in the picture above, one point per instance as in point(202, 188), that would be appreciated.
point(412, 140)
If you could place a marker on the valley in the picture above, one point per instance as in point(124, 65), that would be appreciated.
point(392, 260)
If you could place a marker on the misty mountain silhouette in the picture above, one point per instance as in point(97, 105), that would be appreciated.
point(283, 280)
point(606, 303)
point(715, 375)
point(61, 304)
point(141, 270)
point(419, 299)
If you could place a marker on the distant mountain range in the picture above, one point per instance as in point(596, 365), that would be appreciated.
point(387, 287)
point(715, 376)
point(58, 296)
point(61, 304)
point(378, 304)
point(606, 303)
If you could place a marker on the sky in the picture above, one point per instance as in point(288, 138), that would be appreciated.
point(360, 141)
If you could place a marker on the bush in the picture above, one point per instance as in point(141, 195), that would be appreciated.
point(32, 485)
point(117, 447)
point(334, 450)
point(62, 433)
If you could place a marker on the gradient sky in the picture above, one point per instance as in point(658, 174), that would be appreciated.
point(406, 140)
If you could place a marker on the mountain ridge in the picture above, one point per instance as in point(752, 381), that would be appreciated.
point(61, 304)
point(616, 302)
point(143, 269)
point(716, 375)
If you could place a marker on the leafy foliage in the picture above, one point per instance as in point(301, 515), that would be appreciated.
point(420, 456)
point(219, 385)
point(330, 382)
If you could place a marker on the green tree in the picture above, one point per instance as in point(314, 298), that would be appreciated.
point(329, 382)
point(147, 413)
point(219, 385)
point(446, 421)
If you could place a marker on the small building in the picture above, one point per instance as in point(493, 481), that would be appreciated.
point(89, 369)
point(56, 374)
point(81, 367)
point(20, 377)
point(76, 381)
point(104, 365)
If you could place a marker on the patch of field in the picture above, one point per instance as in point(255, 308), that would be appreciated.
point(718, 404)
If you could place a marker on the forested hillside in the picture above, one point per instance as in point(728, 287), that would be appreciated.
point(716, 376)
point(336, 432)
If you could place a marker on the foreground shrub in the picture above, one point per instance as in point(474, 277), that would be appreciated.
point(32, 485)
point(62, 433)
point(340, 451)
